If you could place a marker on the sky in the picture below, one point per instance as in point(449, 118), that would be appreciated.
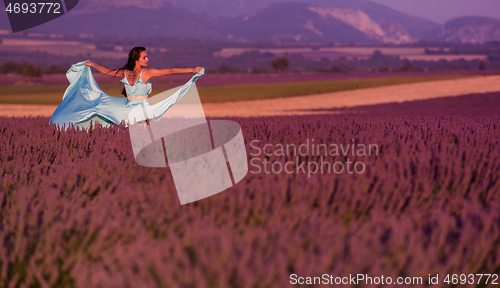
point(440, 11)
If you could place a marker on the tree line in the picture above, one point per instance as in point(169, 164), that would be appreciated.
point(377, 62)
point(29, 70)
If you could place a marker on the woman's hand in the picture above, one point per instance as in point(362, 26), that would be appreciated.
point(89, 63)
point(197, 70)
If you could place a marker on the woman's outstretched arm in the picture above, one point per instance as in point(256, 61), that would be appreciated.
point(163, 72)
point(105, 70)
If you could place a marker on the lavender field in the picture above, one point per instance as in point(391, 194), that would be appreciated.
point(76, 211)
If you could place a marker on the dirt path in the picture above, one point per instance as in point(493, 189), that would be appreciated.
point(370, 96)
point(300, 105)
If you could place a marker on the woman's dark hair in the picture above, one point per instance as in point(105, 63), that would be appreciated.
point(133, 56)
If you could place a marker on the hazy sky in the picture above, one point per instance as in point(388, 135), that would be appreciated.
point(442, 10)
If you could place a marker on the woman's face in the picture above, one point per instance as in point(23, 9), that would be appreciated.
point(143, 59)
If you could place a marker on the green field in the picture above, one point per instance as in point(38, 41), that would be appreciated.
point(51, 94)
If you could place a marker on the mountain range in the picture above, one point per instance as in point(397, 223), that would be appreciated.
point(359, 21)
point(470, 30)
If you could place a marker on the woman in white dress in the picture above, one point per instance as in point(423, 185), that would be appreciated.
point(84, 101)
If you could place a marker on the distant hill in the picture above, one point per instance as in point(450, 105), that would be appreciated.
point(359, 21)
point(110, 18)
point(470, 29)
point(303, 22)
point(282, 21)
point(377, 12)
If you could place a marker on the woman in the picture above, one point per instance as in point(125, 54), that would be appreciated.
point(84, 101)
